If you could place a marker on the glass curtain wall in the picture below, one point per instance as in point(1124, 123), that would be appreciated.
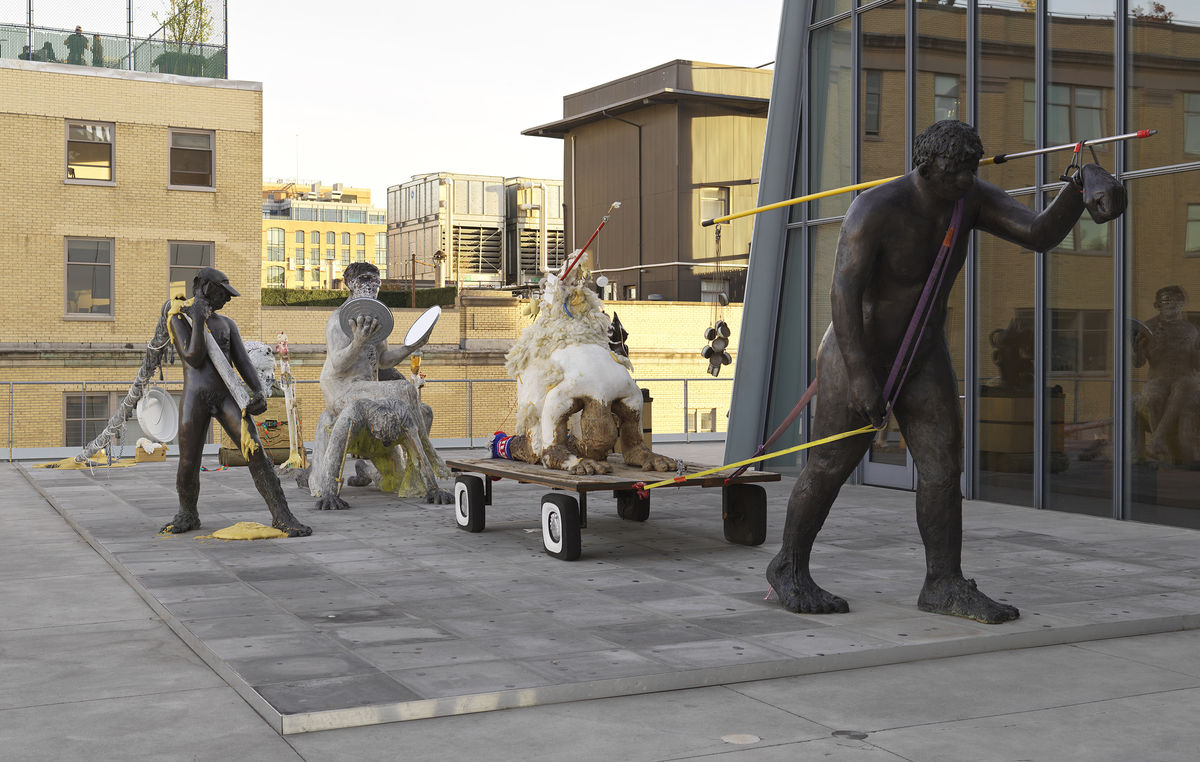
point(1162, 269)
point(1082, 363)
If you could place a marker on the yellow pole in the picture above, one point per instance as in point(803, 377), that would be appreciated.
point(997, 159)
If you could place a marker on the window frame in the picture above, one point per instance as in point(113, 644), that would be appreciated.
point(112, 279)
point(1188, 222)
point(212, 154)
point(212, 256)
point(112, 153)
point(66, 397)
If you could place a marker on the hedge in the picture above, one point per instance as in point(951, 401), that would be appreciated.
point(295, 297)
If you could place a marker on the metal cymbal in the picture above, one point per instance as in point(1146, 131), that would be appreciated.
point(365, 306)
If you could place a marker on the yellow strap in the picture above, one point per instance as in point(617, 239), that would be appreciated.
point(844, 435)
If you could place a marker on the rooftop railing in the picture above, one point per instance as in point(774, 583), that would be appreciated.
point(144, 46)
point(56, 419)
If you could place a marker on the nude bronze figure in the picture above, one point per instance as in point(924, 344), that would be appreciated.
point(207, 396)
point(885, 251)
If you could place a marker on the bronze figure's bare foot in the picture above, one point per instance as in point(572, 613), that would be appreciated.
point(957, 596)
point(799, 594)
point(293, 527)
point(183, 522)
point(331, 503)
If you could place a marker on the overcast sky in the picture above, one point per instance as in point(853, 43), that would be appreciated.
point(371, 92)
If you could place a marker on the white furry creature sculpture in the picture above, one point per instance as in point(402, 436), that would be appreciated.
point(563, 365)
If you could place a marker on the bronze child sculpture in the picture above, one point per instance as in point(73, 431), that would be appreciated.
point(208, 395)
point(885, 253)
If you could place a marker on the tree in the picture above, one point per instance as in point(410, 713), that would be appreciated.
point(1157, 12)
point(186, 21)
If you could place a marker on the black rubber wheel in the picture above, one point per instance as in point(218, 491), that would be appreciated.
point(744, 509)
point(631, 506)
point(560, 526)
point(469, 503)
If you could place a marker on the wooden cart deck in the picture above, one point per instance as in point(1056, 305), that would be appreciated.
point(743, 503)
point(623, 477)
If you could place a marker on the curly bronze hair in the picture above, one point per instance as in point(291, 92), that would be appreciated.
point(949, 138)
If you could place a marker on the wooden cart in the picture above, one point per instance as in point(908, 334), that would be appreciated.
point(743, 503)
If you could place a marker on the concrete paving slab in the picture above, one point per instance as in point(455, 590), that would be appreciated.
point(390, 612)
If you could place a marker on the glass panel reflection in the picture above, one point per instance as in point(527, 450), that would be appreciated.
point(1163, 414)
point(1164, 91)
point(941, 63)
point(881, 99)
point(1080, 98)
point(1007, 94)
point(831, 79)
point(1079, 344)
point(788, 378)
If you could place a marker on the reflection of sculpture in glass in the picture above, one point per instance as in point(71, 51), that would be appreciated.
point(1168, 407)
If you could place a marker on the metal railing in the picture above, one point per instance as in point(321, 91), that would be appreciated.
point(461, 416)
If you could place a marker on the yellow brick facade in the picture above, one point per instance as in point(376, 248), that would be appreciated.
point(137, 213)
point(298, 270)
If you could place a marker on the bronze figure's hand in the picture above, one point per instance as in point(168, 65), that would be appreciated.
point(257, 404)
point(867, 399)
point(363, 328)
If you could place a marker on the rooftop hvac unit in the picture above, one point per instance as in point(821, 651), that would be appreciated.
point(336, 193)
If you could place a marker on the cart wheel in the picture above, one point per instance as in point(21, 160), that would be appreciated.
point(744, 508)
point(560, 526)
point(468, 503)
point(632, 506)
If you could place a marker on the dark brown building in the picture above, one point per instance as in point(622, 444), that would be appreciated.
point(674, 144)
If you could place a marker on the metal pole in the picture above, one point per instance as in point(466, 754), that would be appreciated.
point(470, 413)
point(10, 421)
point(225, 39)
point(83, 417)
point(687, 432)
point(129, 34)
point(29, 26)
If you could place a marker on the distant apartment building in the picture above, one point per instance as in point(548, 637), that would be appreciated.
point(675, 144)
point(478, 231)
point(311, 232)
point(128, 183)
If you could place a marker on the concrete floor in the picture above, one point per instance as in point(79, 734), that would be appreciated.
point(390, 611)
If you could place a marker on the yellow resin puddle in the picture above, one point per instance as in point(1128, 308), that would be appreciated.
point(98, 461)
point(245, 530)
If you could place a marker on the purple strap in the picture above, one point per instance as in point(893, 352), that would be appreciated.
point(920, 318)
point(904, 358)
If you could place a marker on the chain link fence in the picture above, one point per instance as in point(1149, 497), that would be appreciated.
point(186, 37)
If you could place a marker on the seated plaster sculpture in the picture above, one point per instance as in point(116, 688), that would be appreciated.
point(370, 411)
point(563, 365)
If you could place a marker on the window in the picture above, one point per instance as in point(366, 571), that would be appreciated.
point(714, 202)
point(945, 97)
point(300, 276)
point(360, 239)
point(331, 254)
point(275, 248)
point(298, 253)
point(299, 236)
point(314, 256)
point(1079, 341)
point(1074, 111)
point(345, 239)
point(1086, 236)
point(380, 249)
point(345, 257)
point(872, 96)
point(314, 236)
point(376, 219)
point(331, 215)
point(1192, 241)
point(360, 255)
point(275, 276)
point(631, 292)
point(186, 257)
point(191, 159)
point(89, 277)
point(84, 417)
point(1191, 122)
point(330, 238)
point(90, 151)
point(355, 215)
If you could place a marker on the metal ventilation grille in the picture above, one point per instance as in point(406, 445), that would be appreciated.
point(555, 249)
point(478, 248)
